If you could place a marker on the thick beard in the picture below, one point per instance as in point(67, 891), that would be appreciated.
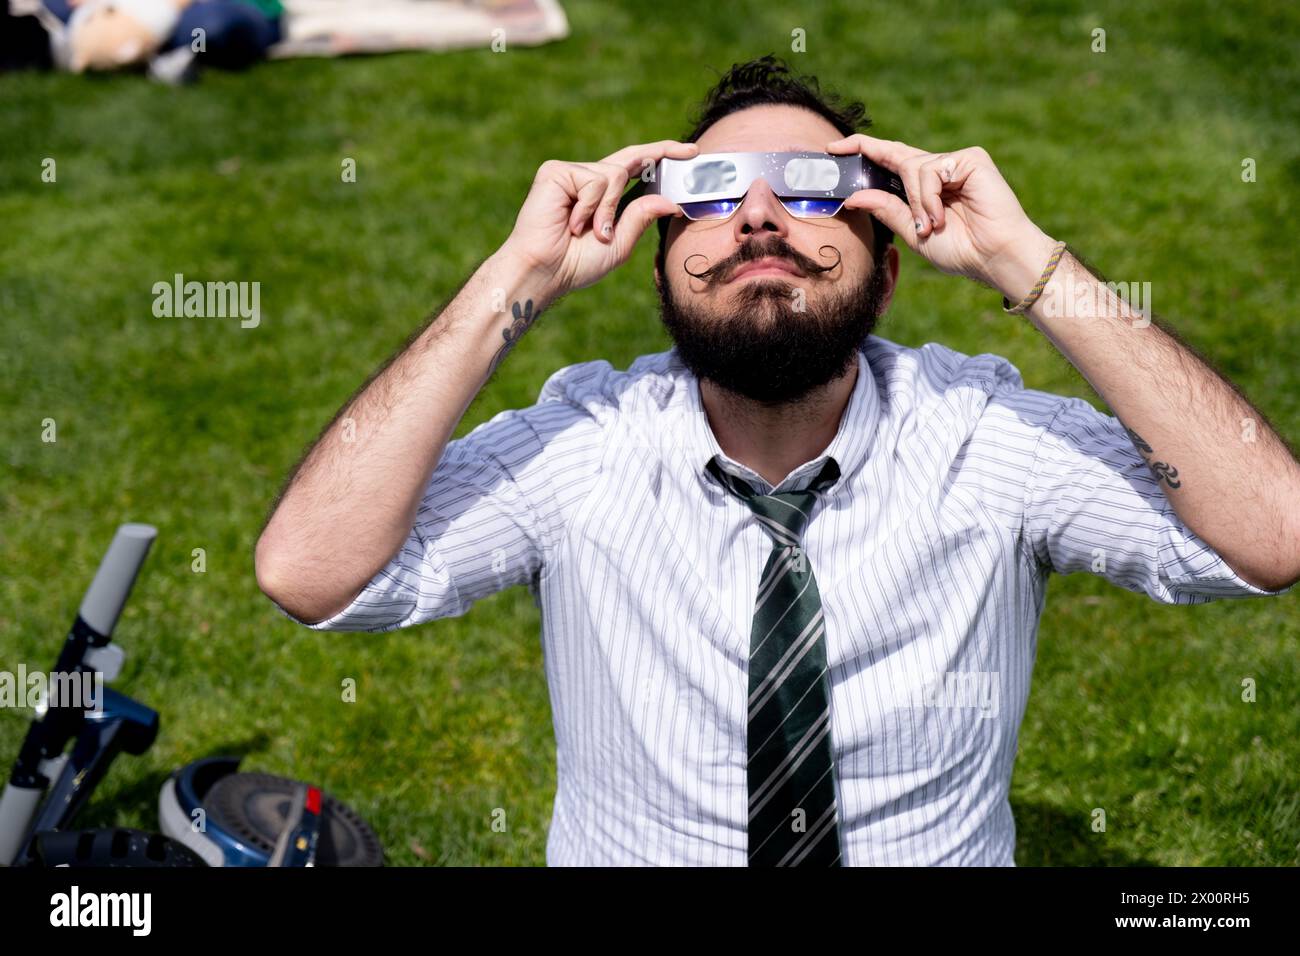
point(766, 351)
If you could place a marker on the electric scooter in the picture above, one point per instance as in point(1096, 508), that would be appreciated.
point(210, 814)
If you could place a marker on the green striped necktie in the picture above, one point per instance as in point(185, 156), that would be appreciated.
point(792, 814)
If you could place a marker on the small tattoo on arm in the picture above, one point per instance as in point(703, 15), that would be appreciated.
point(1168, 472)
point(1163, 470)
point(1140, 442)
point(523, 318)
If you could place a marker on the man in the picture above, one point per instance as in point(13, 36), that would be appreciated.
point(790, 573)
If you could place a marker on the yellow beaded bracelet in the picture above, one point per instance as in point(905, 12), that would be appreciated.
point(1024, 304)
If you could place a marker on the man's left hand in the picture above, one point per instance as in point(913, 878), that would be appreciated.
point(963, 217)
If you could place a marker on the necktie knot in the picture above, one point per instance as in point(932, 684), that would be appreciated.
point(783, 515)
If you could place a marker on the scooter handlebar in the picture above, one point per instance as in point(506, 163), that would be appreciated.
point(111, 587)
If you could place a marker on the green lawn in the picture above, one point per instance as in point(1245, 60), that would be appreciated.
point(1134, 155)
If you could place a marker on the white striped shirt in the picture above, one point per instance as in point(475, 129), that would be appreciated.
point(960, 492)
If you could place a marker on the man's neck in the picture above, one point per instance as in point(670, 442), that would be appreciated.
point(775, 440)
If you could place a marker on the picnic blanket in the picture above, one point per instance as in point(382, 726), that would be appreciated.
point(339, 27)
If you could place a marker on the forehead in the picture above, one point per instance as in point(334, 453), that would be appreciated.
point(761, 129)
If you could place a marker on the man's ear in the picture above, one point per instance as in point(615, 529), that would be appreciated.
point(891, 267)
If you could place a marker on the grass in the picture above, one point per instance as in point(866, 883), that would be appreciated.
point(1133, 154)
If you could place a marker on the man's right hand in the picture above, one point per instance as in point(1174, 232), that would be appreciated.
point(565, 233)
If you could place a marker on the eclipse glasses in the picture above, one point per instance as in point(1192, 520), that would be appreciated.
point(711, 186)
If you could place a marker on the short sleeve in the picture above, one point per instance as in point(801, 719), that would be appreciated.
point(488, 519)
point(1093, 504)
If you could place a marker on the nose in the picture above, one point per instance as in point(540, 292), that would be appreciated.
point(760, 211)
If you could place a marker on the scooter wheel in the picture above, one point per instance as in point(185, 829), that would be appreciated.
point(255, 807)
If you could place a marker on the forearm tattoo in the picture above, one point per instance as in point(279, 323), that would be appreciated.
point(523, 317)
point(1163, 470)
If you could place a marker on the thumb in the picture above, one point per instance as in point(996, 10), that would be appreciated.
point(637, 217)
point(888, 208)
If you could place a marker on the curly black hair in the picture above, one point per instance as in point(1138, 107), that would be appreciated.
point(766, 81)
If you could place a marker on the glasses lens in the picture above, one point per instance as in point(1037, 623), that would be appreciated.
point(812, 208)
point(713, 209)
point(710, 176)
point(812, 173)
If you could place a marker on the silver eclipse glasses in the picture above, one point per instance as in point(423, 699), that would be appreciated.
point(711, 186)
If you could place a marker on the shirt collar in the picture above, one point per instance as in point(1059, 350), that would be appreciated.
point(850, 446)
